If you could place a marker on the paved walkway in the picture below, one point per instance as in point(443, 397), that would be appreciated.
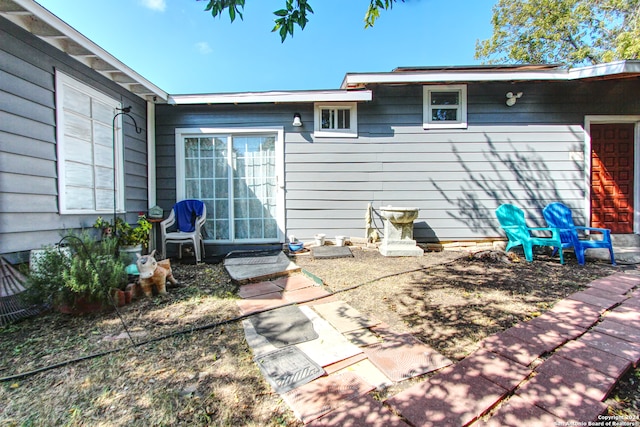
point(556, 369)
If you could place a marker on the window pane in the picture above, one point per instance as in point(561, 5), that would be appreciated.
point(327, 119)
point(445, 98)
point(344, 119)
point(191, 147)
point(444, 114)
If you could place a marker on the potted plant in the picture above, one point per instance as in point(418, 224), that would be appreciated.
point(131, 240)
point(79, 279)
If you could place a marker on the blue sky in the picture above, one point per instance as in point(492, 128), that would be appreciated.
point(183, 50)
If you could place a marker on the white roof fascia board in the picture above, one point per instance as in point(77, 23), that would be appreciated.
point(608, 69)
point(49, 18)
point(273, 97)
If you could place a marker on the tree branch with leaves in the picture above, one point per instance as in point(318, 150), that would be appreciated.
point(294, 13)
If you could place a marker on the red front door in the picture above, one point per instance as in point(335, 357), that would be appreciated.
point(612, 159)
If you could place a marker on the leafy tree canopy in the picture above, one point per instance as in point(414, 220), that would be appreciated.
point(571, 32)
point(294, 13)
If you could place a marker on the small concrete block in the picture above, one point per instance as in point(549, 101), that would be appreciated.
point(363, 411)
point(256, 289)
point(604, 303)
point(632, 303)
point(497, 369)
point(607, 363)
point(305, 294)
point(549, 323)
point(625, 315)
point(344, 317)
point(546, 340)
point(618, 330)
point(560, 400)
point(580, 378)
point(319, 397)
point(517, 412)
point(445, 400)
point(512, 348)
point(261, 302)
point(294, 282)
point(616, 346)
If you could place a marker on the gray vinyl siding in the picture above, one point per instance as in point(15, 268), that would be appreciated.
point(529, 154)
point(29, 215)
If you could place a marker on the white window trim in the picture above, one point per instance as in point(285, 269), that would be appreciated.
point(61, 80)
point(458, 124)
point(182, 133)
point(352, 132)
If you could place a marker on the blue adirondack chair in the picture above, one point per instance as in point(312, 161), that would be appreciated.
point(513, 223)
point(558, 215)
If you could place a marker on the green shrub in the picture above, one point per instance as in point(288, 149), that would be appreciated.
point(88, 268)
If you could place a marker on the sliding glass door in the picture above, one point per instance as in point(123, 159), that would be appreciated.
point(236, 175)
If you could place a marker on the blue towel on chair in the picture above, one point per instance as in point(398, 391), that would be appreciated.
point(186, 212)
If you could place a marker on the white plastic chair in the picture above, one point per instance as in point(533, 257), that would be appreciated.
point(180, 237)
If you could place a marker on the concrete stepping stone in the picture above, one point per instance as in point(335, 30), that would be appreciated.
point(597, 359)
point(598, 301)
point(620, 283)
point(294, 282)
point(262, 302)
point(370, 373)
point(547, 340)
point(548, 322)
point(497, 369)
point(603, 293)
point(362, 337)
point(342, 364)
point(618, 330)
point(403, 357)
point(363, 411)
point(616, 346)
point(305, 294)
point(256, 289)
point(517, 412)
point(513, 348)
point(582, 379)
point(560, 400)
point(625, 315)
point(576, 313)
point(343, 317)
point(254, 268)
point(325, 394)
point(447, 399)
point(330, 346)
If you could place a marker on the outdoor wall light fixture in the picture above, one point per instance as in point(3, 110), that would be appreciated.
point(297, 120)
point(512, 98)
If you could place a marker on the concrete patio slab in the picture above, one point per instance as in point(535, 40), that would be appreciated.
point(549, 322)
point(603, 293)
point(363, 411)
point(342, 364)
point(560, 400)
point(343, 317)
point(576, 312)
point(362, 337)
point(370, 373)
point(620, 283)
point(252, 268)
point(443, 401)
point(546, 341)
point(597, 359)
point(305, 294)
point(325, 394)
point(580, 378)
point(598, 301)
point(625, 315)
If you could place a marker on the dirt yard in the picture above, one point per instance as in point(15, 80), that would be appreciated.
point(189, 365)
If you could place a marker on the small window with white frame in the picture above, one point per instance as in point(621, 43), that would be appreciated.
point(90, 165)
point(445, 107)
point(338, 119)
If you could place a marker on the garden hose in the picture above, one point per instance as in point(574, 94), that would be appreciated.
point(203, 327)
